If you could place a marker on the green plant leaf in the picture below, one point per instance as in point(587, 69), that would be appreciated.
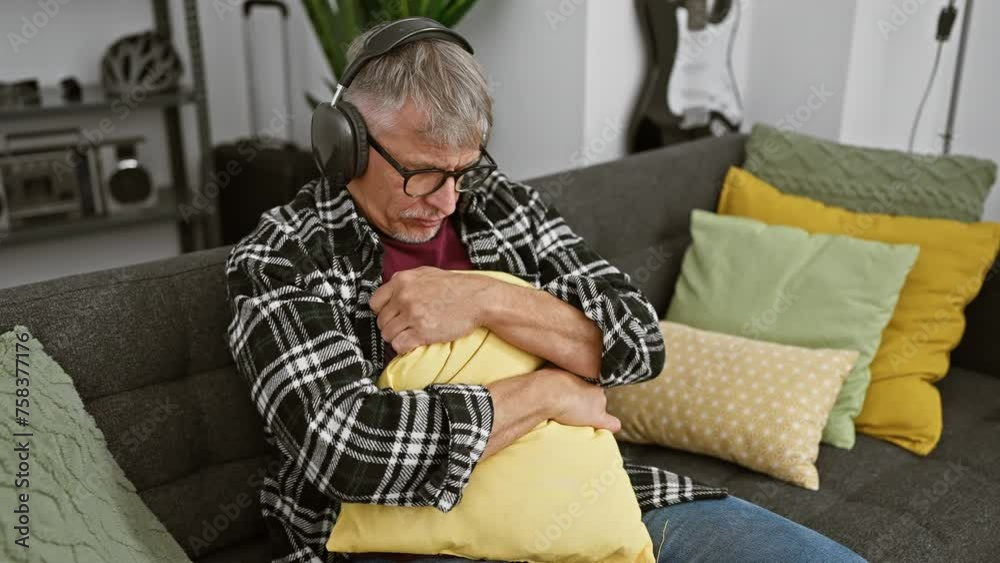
point(349, 26)
point(454, 11)
point(325, 27)
point(432, 8)
point(371, 12)
point(336, 28)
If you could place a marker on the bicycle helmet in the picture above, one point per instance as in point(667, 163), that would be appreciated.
point(142, 61)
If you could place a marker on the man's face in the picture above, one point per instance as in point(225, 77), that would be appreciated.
point(379, 192)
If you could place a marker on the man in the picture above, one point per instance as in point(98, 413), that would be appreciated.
point(328, 288)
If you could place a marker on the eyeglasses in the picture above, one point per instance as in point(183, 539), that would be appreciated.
point(425, 181)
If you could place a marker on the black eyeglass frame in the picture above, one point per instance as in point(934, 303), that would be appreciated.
point(406, 173)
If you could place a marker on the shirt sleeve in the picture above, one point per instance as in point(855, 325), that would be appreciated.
point(632, 346)
point(315, 391)
point(655, 487)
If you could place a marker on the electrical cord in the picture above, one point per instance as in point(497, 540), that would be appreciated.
point(927, 93)
point(946, 22)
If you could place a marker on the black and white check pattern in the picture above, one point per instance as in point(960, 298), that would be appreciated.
point(307, 343)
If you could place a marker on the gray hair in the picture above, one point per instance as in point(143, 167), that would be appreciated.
point(445, 82)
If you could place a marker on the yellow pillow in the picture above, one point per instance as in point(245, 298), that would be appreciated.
point(558, 493)
point(901, 406)
point(759, 404)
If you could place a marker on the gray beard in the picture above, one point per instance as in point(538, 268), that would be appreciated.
point(412, 239)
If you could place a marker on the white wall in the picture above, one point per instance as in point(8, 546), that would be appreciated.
point(72, 43)
point(565, 75)
point(799, 52)
point(877, 56)
point(538, 76)
point(615, 64)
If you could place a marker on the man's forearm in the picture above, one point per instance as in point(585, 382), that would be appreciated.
point(518, 406)
point(542, 324)
point(520, 403)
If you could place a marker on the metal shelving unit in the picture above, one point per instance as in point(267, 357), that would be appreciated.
point(164, 210)
point(195, 234)
point(93, 99)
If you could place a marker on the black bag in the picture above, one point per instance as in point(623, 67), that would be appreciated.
point(259, 172)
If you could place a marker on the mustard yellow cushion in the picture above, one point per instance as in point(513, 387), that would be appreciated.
point(902, 406)
point(559, 493)
point(759, 404)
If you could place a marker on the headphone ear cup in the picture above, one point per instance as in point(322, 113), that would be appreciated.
point(360, 129)
point(333, 144)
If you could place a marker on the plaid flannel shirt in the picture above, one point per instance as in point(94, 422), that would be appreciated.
point(307, 343)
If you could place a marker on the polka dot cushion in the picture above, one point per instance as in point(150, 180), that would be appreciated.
point(759, 404)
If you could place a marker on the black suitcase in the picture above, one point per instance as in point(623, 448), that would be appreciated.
point(258, 172)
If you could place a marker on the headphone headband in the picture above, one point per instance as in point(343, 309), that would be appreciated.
point(339, 134)
point(399, 33)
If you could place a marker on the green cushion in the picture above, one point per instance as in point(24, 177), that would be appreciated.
point(81, 507)
point(871, 180)
point(785, 285)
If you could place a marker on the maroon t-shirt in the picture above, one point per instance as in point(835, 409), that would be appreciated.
point(444, 251)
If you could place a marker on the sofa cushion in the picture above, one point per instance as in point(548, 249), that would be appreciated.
point(871, 180)
point(759, 404)
point(885, 503)
point(74, 502)
point(787, 285)
point(146, 349)
point(902, 406)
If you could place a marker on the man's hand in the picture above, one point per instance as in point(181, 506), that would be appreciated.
point(427, 305)
point(521, 402)
point(577, 402)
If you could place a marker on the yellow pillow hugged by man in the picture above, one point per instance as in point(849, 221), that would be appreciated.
point(558, 493)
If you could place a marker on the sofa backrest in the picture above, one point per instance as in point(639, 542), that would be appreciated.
point(145, 345)
point(145, 348)
point(636, 211)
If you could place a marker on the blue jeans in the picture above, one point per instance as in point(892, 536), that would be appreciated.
point(729, 529)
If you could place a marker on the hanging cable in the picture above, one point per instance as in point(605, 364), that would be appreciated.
point(923, 100)
point(946, 21)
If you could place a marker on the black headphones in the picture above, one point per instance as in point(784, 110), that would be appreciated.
point(339, 134)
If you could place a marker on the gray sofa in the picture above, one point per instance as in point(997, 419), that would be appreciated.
point(145, 345)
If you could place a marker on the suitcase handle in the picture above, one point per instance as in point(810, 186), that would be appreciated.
point(248, 7)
